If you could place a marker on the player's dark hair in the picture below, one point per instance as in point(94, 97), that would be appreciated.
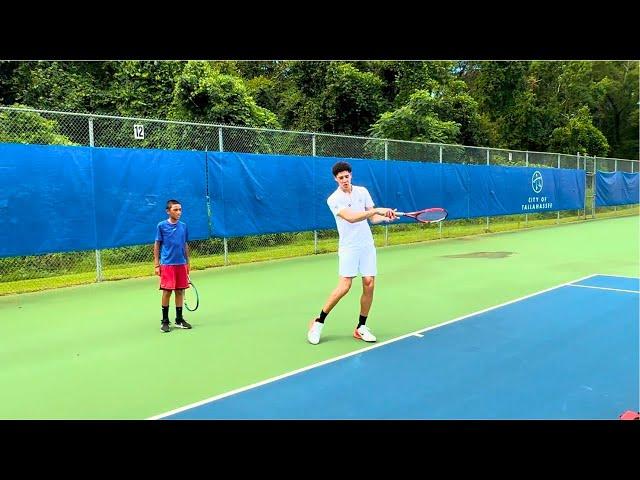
point(171, 203)
point(341, 167)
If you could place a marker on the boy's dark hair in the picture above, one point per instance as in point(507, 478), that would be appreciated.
point(341, 167)
point(171, 203)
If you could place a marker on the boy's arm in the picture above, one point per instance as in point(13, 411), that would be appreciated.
point(156, 256)
point(186, 255)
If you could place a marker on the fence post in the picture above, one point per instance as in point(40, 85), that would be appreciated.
point(386, 158)
point(99, 273)
point(440, 223)
point(224, 239)
point(615, 169)
point(586, 174)
point(207, 196)
point(487, 229)
point(315, 232)
point(593, 186)
point(558, 212)
point(578, 168)
point(526, 162)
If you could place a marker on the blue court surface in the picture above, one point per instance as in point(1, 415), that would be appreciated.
point(570, 352)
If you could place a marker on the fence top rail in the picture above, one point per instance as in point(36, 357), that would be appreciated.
point(620, 159)
point(218, 125)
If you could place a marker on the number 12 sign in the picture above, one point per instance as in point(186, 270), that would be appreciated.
point(138, 132)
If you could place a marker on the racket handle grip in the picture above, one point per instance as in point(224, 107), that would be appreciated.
point(400, 214)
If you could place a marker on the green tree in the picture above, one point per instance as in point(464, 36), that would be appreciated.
point(417, 120)
point(455, 103)
point(144, 89)
point(297, 86)
point(262, 68)
point(317, 96)
point(67, 86)
point(445, 114)
point(616, 115)
point(555, 92)
point(29, 127)
point(579, 135)
point(495, 84)
point(264, 91)
point(522, 104)
point(402, 78)
point(202, 93)
point(351, 100)
point(7, 90)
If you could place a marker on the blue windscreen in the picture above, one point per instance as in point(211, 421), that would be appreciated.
point(46, 196)
point(132, 187)
point(616, 188)
point(62, 198)
point(253, 194)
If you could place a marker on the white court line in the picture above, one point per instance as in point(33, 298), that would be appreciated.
point(605, 288)
point(357, 352)
point(418, 335)
point(609, 275)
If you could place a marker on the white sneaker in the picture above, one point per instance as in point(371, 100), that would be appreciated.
point(363, 333)
point(314, 332)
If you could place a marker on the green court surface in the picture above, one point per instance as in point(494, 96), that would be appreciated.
point(96, 351)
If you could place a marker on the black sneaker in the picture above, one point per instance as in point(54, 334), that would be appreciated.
point(164, 327)
point(182, 323)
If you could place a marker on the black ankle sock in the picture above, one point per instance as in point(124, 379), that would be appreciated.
point(165, 314)
point(322, 316)
point(361, 321)
point(178, 313)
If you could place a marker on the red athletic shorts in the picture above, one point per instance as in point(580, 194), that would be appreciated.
point(174, 277)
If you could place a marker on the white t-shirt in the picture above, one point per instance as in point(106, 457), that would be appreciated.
point(356, 234)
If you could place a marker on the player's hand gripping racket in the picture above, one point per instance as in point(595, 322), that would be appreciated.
point(191, 297)
point(428, 215)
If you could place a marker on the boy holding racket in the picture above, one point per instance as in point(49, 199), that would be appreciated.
point(171, 260)
point(352, 206)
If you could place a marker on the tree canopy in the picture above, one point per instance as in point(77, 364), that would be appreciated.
point(563, 106)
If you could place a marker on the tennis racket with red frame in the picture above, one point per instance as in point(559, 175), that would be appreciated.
point(428, 215)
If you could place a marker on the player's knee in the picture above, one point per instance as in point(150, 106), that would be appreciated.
point(343, 288)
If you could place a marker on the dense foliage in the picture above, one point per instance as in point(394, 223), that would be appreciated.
point(561, 106)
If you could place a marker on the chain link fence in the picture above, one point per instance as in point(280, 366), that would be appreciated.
point(29, 126)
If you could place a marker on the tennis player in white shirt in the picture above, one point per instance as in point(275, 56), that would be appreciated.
point(352, 206)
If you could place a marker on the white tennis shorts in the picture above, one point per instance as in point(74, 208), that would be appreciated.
point(354, 260)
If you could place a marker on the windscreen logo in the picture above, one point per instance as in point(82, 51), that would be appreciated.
point(537, 202)
point(536, 182)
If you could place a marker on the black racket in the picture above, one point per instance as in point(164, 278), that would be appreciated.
point(191, 297)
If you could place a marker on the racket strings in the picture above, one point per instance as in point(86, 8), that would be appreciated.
point(431, 216)
point(191, 300)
